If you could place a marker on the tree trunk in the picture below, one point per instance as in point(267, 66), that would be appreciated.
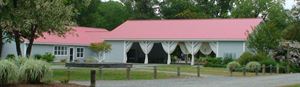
point(1, 41)
point(18, 42)
point(31, 40)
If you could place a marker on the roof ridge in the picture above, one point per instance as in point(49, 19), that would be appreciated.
point(197, 19)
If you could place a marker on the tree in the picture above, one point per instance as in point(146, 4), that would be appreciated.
point(180, 9)
point(101, 49)
point(41, 16)
point(107, 15)
point(267, 35)
point(141, 9)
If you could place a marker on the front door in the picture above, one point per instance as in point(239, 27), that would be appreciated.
point(71, 53)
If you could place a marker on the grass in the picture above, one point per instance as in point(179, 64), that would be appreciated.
point(293, 85)
point(109, 74)
point(203, 70)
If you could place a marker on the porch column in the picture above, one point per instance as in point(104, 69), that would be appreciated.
point(193, 47)
point(169, 47)
point(126, 47)
point(146, 47)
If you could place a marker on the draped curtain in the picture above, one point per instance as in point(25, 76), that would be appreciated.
point(146, 47)
point(127, 46)
point(169, 47)
point(183, 49)
point(213, 46)
point(205, 49)
point(193, 47)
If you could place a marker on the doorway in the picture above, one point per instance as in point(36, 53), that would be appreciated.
point(71, 54)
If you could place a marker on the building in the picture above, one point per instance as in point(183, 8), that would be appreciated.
point(150, 41)
point(153, 41)
point(73, 46)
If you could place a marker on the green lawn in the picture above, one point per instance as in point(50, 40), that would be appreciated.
point(293, 85)
point(109, 74)
point(203, 70)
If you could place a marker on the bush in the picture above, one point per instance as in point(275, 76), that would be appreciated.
point(245, 58)
point(38, 56)
point(252, 66)
point(227, 60)
point(35, 71)
point(211, 62)
point(10, 56)
point(268, 62)
point(234, 65)
point(49, 57)
point(8, 72)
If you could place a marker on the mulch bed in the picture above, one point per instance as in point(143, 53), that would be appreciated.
point(45, 85)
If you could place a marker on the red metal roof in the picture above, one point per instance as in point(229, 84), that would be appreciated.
point(78, 36)
point(195, 29)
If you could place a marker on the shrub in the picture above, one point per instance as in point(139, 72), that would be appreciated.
point(245, 58)
point(252, 66)
point(234, 65)
point(38, 56)
point(35, 71)
point(227, 60)
point(10, 56)
point(8, 72)
point(268, 62)
point(49, 57)
point(212, 62)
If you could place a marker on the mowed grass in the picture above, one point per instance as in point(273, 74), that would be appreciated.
point(203, 70)
point(109, 74)
point(293, 85)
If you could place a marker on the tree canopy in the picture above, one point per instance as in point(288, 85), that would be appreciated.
point(107, 15)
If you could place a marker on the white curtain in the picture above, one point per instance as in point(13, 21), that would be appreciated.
point(205, 49)
point(193, 47)
point(127, 46)
point(169, 47)
point(214, 47)
point(146, 47)
point(183, 49)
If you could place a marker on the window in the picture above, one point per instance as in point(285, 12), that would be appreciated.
point(229, 55)
point(60, 51)
point(79, 52)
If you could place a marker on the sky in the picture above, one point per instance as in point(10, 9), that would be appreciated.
point(289, 4)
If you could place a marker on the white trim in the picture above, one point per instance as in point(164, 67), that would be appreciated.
point(171, 39)
point(66, 49)
point(77, 52)
point(217, 53)
point(244, 46)
point(124, 53)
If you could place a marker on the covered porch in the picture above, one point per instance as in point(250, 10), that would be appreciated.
point(161, 51)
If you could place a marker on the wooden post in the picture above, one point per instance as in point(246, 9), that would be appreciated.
point(198, 71)
point(277, 68)
point(287, 69)
point(93, 78)
point(128, 73)
point(68, 73)
point(244, 71)
point(263, 69)
point(101, 72)
point(231, 71)
point(271, 69)
point(256, 70)
point(154, 72)
point(178, 71)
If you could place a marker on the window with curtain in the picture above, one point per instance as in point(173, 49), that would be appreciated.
point(60, 51)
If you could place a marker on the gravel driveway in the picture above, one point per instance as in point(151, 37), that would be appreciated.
point(206, 81)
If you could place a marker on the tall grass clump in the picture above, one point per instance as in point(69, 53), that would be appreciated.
point(8, 72)
point(35, 71)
